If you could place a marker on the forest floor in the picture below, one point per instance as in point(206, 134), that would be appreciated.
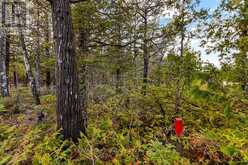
point(125, 129)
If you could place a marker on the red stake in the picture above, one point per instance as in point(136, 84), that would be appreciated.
point(179, 128)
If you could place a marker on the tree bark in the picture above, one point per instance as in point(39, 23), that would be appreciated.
point(3, 64)
point(37, 55)
point(7, 58)
point(69, 113)
point(145, 55)
point(15, 78)
point(119, 59)
point(83, 44)
point(30, 76)
point(4, 54)
point(47, 52)
point(37, 66)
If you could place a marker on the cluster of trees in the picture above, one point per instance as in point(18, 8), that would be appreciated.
point(119, 43)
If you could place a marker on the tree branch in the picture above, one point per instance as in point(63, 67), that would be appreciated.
point(76, 1)
point(71, 1)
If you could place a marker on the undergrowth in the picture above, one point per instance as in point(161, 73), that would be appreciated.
point(131, 129)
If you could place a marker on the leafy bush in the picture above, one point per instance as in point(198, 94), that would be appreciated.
point(160, 154)
point(233, 142)
point(53, 150)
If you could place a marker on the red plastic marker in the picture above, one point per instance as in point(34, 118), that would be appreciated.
point(179, 128)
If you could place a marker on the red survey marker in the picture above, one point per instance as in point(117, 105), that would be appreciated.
point(179, 128)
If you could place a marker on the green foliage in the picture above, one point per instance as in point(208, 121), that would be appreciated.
point(5, 160)
point(228, 110)
point(161, 154)
point(7, 133)
point(48, 99)
point(19, 68)
point(205, 95)
point(130, 128)
point(127, 126)
point(233, 141)
point(53, 150)
point(230, 151)
point(2, 109)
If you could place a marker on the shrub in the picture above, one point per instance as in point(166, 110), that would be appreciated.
point(160, 154)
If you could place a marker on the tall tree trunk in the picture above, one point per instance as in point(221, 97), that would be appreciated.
point(135, 61)
point(69, 112)
point(145, 56)
point(119, 54)
point(37, 66)
point(83, 44)
point(37, 55)
point(3, 64)
point(179, 83)
point(47, 52)
point(7, 58)
point(29, 73)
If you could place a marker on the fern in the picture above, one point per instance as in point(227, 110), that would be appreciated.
point(2, 108)
point(162, 154)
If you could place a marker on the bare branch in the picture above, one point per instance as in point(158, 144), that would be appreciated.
point(76, 1)
point(71, 1)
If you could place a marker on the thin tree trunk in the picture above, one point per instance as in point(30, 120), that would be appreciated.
point(83, 44)
point(47, 52)
point(3, 64)
point(135, 61)
point(118, 79)
point(37, 66)
point(48, 78)
point(69, 113)
point(145, 57)
point(30, 76)
point(119, 73)
point(7, 59)
point(178, 84)
point(37, 56)
point(15, 76)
